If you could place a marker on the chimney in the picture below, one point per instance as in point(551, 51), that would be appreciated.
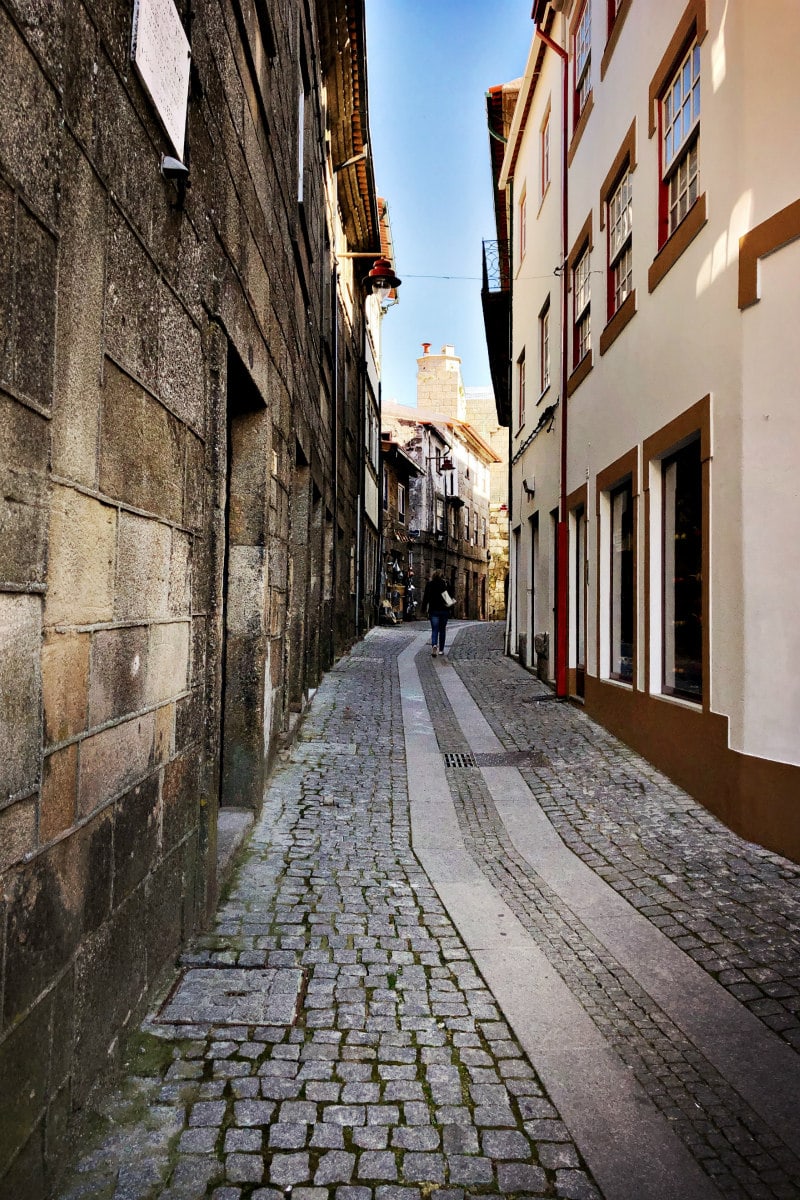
point(426, 347)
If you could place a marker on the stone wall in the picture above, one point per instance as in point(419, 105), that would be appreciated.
point(165, 449)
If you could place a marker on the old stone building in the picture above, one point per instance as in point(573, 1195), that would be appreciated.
point(185, 372)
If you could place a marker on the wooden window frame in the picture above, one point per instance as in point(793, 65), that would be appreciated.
point(616, 318)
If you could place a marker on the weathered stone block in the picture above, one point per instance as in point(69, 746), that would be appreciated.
point(17, 831)
point(199, 645)
point(246, 586)
point(23, 492)
point(80, 56)
point(59, 792)
point(23, 1069)
point(81, 567)
point(180, 575)
point(131, 307)
point(180, 362)
point(168, 661)
point(141, 448)
point(53, 901)
point(20, 693)
point(113, 760)
point(29, 118)
point(180, 798)
point(189, 720)
point(109, 986)
point(65, 685)
point(35, 305)
point(164, 744)
point(119, 672)
point(76, 412)
point(165, 903)
point(136, 819)
point(195, 482)
point(143, 569)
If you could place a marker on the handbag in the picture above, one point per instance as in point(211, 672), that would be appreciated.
point(447, 599)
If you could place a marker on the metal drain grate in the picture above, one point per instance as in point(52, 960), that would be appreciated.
point(503, 758)
point(542, 699)
point(513, 758)
point(460, 760)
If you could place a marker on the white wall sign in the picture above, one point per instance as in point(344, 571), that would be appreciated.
point(161, 54)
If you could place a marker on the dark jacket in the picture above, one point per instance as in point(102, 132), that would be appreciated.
point(432, 596)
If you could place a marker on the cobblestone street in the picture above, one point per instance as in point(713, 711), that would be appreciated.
point(474, 947)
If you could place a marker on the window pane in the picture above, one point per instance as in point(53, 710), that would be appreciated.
point(622, 582)
point(683, 573)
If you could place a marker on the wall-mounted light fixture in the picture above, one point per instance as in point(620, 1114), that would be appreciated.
point(529, 488)
point(381, 278)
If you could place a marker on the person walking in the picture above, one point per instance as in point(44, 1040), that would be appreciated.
point(437, 602)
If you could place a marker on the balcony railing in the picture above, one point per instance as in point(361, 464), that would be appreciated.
point(496, 266)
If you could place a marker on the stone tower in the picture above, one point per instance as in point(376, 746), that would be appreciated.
point(440, 388)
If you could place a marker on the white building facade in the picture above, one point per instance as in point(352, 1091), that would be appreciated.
point(654, 506)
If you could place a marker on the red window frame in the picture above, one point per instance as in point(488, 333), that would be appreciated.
point(612, 258)
point(582, 314)
point(586, 72)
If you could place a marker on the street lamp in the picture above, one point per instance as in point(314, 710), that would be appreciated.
point(382, 279)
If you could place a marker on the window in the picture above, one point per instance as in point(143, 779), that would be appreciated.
point(401, 503)
point(682, 633)
point(613, 11)
point(620, 243)
point(622, 582)
point(680, 127)
point(439, 515)
point(545, 154)
point(475, 528)
point(579, 585)
point(544, 348)
point(582, 57)
point(521, 389)
point(385, 489)
point(483, 531)
point(466, 522)
point(523, 225)
point(581, 307)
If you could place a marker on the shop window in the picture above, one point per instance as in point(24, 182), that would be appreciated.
point(621, 608)
point(682, 557)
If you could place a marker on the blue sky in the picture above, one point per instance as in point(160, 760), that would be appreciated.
point(430, 63)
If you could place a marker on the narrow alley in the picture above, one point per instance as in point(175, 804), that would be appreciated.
point(474, 946)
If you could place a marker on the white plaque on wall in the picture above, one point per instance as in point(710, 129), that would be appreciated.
point(161, 54)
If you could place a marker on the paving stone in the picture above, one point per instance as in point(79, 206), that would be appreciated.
point(469, 1170)
point(423, 1168)
point(252, 1112)
point(520, 1177)
point(243, 1139)
point(244, 1168)
point(505, 1143)
point(285, 1169)
point(371, 1137)
point(415, 1137)
point(377, 1164)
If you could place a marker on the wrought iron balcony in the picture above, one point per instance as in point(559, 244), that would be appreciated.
point(496, 300)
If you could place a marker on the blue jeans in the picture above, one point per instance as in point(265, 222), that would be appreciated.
point(439, 627)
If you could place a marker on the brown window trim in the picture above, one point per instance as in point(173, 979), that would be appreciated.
point(579, 128)
point(679, 241)
point(581, 371)
point(692, 26)
point(613, 36)
point(625, 313)
point(659, 446)
point(606, 481)
point(759, 242)
point(625, 157)
point(582, 242)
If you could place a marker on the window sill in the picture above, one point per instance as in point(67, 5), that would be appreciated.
point(625, 313)
point(579, 374)
point(579, 128)
point(679, 701)
point(680, 240)
point(542, 395)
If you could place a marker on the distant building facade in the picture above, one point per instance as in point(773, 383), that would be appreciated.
point(186, 386)
point(450, 500)
point(644, 359)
